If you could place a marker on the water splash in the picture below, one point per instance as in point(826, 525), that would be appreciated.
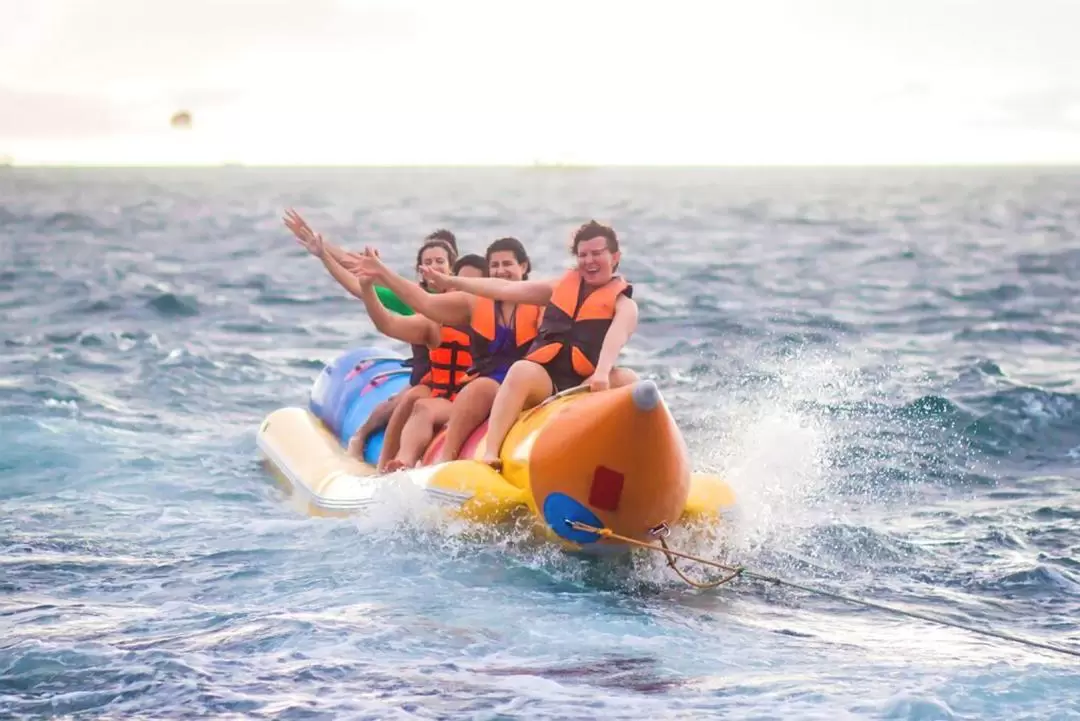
point(775, 441)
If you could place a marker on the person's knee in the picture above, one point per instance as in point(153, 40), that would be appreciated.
point(410, 399)
point(527, 381)
point(479, 391)
point(466, 394)
point(524, 371)
point(477, 403)
point(423, 410)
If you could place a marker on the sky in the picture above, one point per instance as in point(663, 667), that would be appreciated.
point(474, 82)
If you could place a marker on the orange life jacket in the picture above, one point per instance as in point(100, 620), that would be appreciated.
point(575, 322)
point(524, 325)
point(449, 362)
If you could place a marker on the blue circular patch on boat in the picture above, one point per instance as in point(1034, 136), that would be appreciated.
point(560, 508)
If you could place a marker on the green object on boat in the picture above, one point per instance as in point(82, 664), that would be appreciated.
point(392, 302)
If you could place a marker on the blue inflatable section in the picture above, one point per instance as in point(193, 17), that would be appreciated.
point(380, 388)
point(326, 392)
point(351, 385)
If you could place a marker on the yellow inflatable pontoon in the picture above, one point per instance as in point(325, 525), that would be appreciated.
point(614, 459)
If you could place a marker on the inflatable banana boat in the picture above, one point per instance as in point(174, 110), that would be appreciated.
point(613, 459)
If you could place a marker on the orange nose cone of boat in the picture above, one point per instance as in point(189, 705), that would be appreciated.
point(613, 459)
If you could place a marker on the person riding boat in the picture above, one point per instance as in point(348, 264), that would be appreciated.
point(419, 381)
point(500, 334)
point(386, 296)
point(589, 316)
point(427, 338)
point(470, 265)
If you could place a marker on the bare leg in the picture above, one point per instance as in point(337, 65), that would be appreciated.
point(526, 385)
point(622, 377)
point(392, 437)
point(469, 409)
point(427, 415)
point(380, 414)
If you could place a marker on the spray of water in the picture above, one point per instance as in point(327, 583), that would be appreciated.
point(775, 437)
point(773, 442)
point(800, 441)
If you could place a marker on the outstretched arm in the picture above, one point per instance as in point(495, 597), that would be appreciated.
point(532, 292)
point(339, 254)
point(623, 325)
point(446, 308)
point(412, 329)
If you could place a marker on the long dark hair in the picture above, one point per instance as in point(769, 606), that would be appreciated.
point(513, 245)
point(450, 252)
point(446, 236)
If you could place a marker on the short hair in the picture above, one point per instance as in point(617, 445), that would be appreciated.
point(593, 229)
point(471, 260)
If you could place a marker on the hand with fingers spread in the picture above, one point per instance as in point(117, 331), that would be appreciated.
point(308, 238)
point(368, 265)
point(439, 281)
point(352, 262)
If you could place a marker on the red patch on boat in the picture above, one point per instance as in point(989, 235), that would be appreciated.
point(606, 489)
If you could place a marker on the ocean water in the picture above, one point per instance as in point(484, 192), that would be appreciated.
point(883, 363)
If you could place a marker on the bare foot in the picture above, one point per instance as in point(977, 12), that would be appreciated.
point(495, 462)
point(394, 465)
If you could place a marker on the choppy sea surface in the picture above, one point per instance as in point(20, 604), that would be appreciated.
point(883, 362)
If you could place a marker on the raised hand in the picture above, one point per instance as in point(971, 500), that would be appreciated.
point(439, 281)
point(367, 265)
point(351, 262)
point(308, 238)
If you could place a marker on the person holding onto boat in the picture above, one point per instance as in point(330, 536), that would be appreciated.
point(440, 356)
point(500, 333)
point(589, 317)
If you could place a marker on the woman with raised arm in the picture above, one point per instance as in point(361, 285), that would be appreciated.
point(590, 315)
point(500, 334)
point(440, 357)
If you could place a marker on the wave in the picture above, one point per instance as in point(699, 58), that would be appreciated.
point(171, 305)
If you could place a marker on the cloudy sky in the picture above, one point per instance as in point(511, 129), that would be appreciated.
point(512, 81)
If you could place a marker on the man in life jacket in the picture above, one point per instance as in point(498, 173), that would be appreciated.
point(500, 334)
point(589, 317)
point(440, 356)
